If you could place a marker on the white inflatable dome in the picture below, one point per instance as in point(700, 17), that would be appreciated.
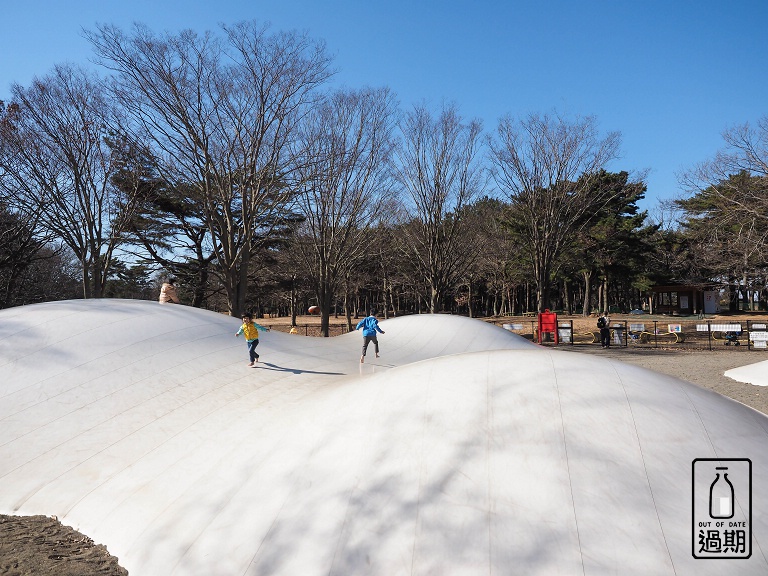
point(463, 449)
point(756, 374)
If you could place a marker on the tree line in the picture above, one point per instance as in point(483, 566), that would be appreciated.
point(227, 160)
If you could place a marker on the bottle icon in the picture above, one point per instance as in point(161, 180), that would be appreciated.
point(721, 495)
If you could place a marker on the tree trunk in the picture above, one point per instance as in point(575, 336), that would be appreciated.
point(384, 296)
point(542, 287)
point(347, 301)
point(433, 299)
point(586, 307)
point(744, 280)
point(469, 299)
point(325, 300)
point(527, 296)
point(294, 303)
point(96, 275)
point(733, 296)
point(198, 295)
point(86, 280)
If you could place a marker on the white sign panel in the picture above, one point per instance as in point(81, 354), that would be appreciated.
point(720, 327)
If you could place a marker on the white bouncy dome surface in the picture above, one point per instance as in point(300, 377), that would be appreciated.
point(464, 449)
point(756, 373)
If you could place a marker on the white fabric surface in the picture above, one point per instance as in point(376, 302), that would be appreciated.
point(464, 449)
point(756, 373)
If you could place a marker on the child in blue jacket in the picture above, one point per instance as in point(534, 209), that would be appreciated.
point(251, 331)
point(370, 326)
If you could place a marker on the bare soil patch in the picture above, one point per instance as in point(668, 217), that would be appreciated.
point(42, 546)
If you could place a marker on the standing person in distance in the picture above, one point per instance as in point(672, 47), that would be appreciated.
point(168, 293)
point(251, 331)
point(370, 326)
point(604, 323)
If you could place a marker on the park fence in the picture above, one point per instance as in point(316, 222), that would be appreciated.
point(308, 329)
point(694, 334)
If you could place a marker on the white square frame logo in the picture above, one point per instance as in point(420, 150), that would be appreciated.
point(722, 508)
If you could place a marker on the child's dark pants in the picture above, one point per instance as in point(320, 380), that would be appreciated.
point(367, 340)
point(252, 349)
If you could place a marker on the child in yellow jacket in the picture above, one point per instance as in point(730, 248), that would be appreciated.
point(251, 331)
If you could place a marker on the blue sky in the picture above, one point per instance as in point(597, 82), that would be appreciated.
point(669, 75)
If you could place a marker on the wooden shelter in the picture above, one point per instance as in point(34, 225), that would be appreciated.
point(685, 299)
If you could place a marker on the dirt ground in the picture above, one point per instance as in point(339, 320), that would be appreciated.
point(42, 546)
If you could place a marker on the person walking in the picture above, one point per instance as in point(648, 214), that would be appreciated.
point(604, 324)
point(251, 332)
point(370, 326)
point(168, 294)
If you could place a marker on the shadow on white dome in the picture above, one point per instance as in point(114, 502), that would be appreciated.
point(463, 449)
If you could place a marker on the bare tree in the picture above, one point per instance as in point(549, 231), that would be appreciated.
point(499, 263)
point(168, 228)
point(745, 152)
point(439, 170)
point(346, 144)
point(219, 114)
point(56, 155)
point(729, 241)
point(730, 192)
point(546, 165)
